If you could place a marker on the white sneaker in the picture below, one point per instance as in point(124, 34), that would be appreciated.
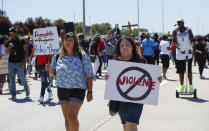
point(41, 100)
point(50, 96)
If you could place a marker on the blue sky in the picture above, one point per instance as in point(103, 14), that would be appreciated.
point(194, 12)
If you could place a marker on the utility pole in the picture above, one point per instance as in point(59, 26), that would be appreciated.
point(2, 9)
point(138, 14)
point(84, 19)
point(162, 17)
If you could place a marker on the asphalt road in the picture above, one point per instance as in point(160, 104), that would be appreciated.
point(171, 113)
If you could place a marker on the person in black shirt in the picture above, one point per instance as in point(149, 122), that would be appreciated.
point(17, 49)
point(200, 54)
point(30, 47)
point(84, 44)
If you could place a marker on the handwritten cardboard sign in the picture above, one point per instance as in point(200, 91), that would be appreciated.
point(4, 65)
point(132, 82)
point(46, 41)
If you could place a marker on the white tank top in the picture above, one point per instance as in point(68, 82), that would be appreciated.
point(185, 44)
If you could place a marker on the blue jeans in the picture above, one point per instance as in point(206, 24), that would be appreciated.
point(109, 57)
point(16, 68)
point(29, 69)
point(44, 80)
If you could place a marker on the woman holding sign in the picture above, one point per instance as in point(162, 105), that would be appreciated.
point(74, 74)
point(129, 112)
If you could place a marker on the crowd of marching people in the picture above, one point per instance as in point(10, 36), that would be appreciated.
point(74, 74)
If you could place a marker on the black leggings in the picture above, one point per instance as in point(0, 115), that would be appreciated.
point(100, 66)
point(201, 63)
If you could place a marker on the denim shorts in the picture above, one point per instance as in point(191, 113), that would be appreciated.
point(130, 112)
point(66, 95)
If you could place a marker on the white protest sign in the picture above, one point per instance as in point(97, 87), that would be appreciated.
point(133, 82)
point(46, 41)
point(4, 65)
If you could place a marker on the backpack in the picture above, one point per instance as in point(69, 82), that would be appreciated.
point(93, 48)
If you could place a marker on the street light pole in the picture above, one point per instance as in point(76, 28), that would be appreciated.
point(2, 5)
point(84, 19)
point(162, 16)
point(138, 14)
point(74, 17)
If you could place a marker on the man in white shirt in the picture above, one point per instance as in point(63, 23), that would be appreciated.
point(164, 54)
point(183, 38)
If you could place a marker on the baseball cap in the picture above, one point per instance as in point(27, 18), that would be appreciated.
point(180, 19)
point(26, 37)
point(12, 29)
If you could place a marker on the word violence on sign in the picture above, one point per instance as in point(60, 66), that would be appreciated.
point(137, 81)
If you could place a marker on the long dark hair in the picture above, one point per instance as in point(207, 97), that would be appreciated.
point(133, 44)
point(76, 50)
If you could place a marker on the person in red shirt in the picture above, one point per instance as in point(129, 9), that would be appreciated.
point(101, 46)
point(42, 61)
point(173, 51)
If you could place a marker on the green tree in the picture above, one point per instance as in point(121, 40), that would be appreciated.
point(2, 13)
point(5, 23)
point(125, 31)
point(40, 23)
point(47, 22)
point(30, 23)
point(100, 28)
point(21, 28)
point(78, 27)
point(59, 24)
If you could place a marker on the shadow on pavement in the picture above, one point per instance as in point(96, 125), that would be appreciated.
point(170, 79)
point(100, 78)
point(197, 100)
point(24, 100)
point(49, 103)
point(205, 79)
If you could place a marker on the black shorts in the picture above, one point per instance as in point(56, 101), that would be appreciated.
point(2, 78)
point(150, 59)
point(67, 95)
point(165, 60)
point(181, 65)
